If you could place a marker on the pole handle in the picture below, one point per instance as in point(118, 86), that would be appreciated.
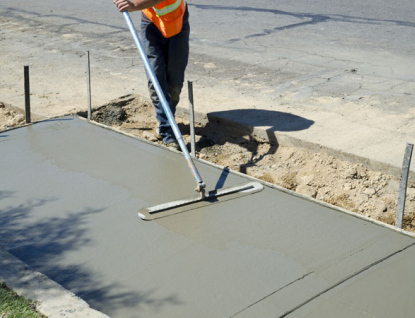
point(166, 108)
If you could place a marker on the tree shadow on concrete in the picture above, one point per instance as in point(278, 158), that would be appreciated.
point(110, 304)
point(42, 243)
point(247, 128)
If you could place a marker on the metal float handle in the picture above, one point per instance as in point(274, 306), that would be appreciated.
point(200, 184)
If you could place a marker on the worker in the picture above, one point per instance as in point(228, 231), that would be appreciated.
point(165, 37)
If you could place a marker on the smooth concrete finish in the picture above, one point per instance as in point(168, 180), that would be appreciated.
point(383, 291)
point(69, 197)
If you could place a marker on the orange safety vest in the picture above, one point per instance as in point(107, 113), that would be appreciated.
point(167, 16)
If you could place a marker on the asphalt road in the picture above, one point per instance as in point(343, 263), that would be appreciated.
point(346, 67)
point(335, 30)
point(238, 30)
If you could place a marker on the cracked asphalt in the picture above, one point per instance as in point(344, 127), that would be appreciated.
point(345, 67)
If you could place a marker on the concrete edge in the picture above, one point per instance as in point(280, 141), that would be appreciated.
point(35, 120)
point(122, 132)
point(53, 300)
point(277, 138)
point(260, 135)
point(33, 116)
point(322, 203)
point(270, 185)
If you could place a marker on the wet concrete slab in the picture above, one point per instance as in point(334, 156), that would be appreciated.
point(69, 196)
point(385, 290)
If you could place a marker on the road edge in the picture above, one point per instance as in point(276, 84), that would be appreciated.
point(53, 300)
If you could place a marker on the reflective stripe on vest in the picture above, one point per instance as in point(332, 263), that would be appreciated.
point(170, 8)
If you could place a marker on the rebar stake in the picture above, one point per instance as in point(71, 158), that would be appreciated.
point(191, 119)
point(403, 185)
point(88, 83)
point(27, 94)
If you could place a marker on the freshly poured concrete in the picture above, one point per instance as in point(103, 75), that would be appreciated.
point(385, 290)
point(70, 193)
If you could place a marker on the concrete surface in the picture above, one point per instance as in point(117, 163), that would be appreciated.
point(337, 77)
point(70, 192)
point(367, 294)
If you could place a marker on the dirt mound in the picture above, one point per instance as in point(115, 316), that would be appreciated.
point(10, 118)
point(111, 114)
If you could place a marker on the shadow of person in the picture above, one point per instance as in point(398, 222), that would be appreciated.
point(275, 120)
point(248, 128)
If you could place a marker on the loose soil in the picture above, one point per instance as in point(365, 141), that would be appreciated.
point(10, 118)
point(348, 185)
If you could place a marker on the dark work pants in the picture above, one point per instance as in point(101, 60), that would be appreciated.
point(169, 58)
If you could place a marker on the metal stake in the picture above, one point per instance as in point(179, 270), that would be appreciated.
point(88, 83)
point(27, 93)
point(191, 119)
point(403, 185)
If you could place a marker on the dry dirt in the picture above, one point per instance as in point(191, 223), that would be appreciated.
point(344, 184)
point(10, 118)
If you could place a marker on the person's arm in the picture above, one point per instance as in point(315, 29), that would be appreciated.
point(135, 5)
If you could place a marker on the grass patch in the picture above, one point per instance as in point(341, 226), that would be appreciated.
point(15, 306)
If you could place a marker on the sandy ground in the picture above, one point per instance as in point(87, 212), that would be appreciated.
point(344, 184)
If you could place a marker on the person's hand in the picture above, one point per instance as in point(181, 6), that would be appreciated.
point(123, 5)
